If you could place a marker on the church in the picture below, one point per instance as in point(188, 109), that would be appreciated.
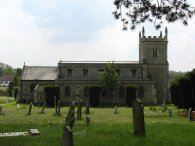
point(81, 79)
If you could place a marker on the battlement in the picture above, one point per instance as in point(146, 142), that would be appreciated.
point(142, 36)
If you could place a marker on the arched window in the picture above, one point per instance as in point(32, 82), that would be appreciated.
point(86, 92)
point(32, 87)
point(67, 91)
point(141, 92)
point(121, 92)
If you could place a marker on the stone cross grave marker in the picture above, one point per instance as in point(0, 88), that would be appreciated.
point(138, 118)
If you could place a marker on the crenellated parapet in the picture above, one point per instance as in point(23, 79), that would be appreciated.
point(142, 36)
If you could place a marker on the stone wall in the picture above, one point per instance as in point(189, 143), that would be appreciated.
point(25, 88)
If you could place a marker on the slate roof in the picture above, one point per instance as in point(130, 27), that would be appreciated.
point(39, 72)
point(7, 78)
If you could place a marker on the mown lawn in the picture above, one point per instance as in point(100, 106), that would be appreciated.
point(106, 129)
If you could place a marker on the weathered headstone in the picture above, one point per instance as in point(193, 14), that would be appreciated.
point(13, 134)
point(164, 107)
point(72, 104)
point(43, 108)
point(116, 109)
point(87, 108)
point(18, 106)
point(58, 109)
point(55, 104)
point(34, 132)
point(138, 118)
point(67, 139)
point(189, 114)
point(1, 110)
point(79, 109)
point(169, 112)
point(87, 121)
point(30, 108)
point(70, 118)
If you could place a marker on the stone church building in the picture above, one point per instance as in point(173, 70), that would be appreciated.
point(81, 78)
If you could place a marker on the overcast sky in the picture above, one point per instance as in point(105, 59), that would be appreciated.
point(43, 32)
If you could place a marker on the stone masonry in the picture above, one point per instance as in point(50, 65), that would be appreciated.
point(81, 78)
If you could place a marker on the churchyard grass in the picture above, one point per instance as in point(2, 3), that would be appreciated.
point(5, 99)
point(106, 128)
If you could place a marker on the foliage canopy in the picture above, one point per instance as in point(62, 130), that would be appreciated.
point(109, 78)
point(134, 12)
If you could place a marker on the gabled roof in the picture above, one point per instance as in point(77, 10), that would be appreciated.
point(7, 78)
point(39, 73)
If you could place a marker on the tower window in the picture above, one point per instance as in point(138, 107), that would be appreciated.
point(133, 73)
point(69, 73)
point(118, 72)
point(101, 71)
point(85, 72)
point(155, 53)
point(67, 91)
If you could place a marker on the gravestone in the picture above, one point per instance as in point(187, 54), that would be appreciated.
point(70, 118)
point(58, 109)
point(67, 139)
point(1, 110)
point(18, 106)
point(55, 104)
point(30, 108)
point(164, 107)
point(79, 109)
point(34, 132)
point(138, 118)
point(13, 134)
point(87, 121)
point(87, 108)
point(116, 109)
point(169, 112)
point(189, 114)
point(72, 104)
point(43, 108)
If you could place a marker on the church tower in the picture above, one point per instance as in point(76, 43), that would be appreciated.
point(153, 53)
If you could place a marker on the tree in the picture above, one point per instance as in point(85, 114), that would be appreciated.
point(175, 95)
point(17, 77)
point(109, 79)
point(185, 92)
point(1, 71)
point(192, 79)
point(134, 12)
point(8, 70)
